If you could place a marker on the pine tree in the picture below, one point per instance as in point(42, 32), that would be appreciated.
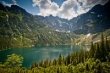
point(107, 45)
point(34, 64)
point(41, 63)
point(68, 59)
point(97, 54)
point(87, 67)
point(46, 63)
point(81, 55)
point(103, 49)
point(60, 59)
point(91, 55)
point(58, 70)
point(107, 49)
point(54, 62)
point(50, 63)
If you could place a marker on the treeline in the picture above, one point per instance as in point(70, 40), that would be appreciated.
point(41, 38)
point(96, 60)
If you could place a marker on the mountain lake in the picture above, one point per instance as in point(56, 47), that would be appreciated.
point(40, 53)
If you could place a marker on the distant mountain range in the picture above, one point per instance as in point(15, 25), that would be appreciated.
point(95, 20)
point(98, 16)
point(19, 28)
point(56, 23)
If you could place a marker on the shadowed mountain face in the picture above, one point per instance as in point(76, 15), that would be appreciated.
point(95, 20)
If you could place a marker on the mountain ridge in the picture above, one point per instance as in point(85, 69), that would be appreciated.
point(85, 23)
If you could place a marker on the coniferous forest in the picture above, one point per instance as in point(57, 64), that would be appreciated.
point(96, 60)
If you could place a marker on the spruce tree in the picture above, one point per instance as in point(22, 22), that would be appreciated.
point(87, 67)
point(81, 56)
point(46, 63)
point(60, 59)
point(103, 49)
point(107, 45)
point(68, 59)
point(54, 62)
point(97, 54)
point(34, 64)
point(91, 54)
point(41, 63)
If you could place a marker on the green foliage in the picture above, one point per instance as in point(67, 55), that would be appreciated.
point(90, 25)
point(97, 54)
point(97, 60)
point(34, 64)
point(13, 61)
point(92, 50)
point(100, 50)
point(60, 59)
point(76, 62)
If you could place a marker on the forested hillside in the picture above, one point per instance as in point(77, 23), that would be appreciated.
point(18, 28)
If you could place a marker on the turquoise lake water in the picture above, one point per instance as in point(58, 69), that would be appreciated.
point(39, 53)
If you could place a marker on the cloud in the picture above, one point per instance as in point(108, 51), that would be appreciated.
point(89, 3)
point(68, 9)
point(6, 4)
point(46, 7)
point(14, 2)
point(9, 5)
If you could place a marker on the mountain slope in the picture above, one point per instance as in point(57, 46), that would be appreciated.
point(57, 23)
point(95, 20)
point(20, 29)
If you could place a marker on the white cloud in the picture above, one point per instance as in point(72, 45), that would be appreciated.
point(9, 5)
point(14, 2)
point(46, 7)
point(81, 10)
point(6, 4)
point(68, 9)
point(89, 3)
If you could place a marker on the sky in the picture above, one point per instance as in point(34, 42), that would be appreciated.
point(66, 9)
